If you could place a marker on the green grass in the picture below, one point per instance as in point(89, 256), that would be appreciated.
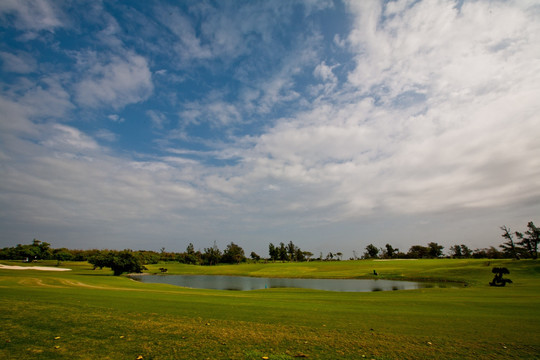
point(98, 316)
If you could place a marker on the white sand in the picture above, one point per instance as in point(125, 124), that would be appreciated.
point(393, 259)
point(42, 268)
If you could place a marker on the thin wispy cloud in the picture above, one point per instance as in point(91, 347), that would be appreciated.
point(332, 124)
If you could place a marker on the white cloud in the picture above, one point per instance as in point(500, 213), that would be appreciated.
point(32, 14)
point(448, 121)
point(69, 139)
point(438, 115)
point(106, 135)
point(21, 63)
point(116, 118)
point(158, 119)
point(116, 82)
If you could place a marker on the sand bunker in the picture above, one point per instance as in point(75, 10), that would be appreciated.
point(42, 268)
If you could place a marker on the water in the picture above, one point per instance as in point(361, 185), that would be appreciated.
point(244, 283)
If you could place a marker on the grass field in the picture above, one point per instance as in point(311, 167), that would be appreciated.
point(87, 314)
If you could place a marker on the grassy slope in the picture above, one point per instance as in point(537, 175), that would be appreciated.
point(100, 316)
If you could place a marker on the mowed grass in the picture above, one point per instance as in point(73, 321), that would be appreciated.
point(87, 314)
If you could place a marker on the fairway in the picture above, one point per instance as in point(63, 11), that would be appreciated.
point(87, 314)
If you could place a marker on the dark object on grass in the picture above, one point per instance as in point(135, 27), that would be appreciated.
point(498, 279)
point(163, 270)
point(375, 272)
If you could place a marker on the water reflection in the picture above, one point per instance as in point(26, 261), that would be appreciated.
point(243, 283)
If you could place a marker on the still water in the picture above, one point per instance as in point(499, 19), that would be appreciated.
point(243, 283)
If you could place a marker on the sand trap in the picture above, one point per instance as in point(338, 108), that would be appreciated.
point(393, 259)
point(42, 268)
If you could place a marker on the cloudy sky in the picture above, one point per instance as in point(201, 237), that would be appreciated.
point(333, 124)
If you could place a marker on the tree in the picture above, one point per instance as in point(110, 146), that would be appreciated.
point(125, 262)
point(390, 251)
point(233, 254)
point(273, 252)
point(62, 254)
point(339, 255)
point(455, 251)
point(465, 251)
point(372, 252)
point(282, 251)
point(255, 256)
point(190, 256)
point(418, 252)
point(307, 255)
point(291, 250)
point(498, 279)
point(99, 259)
point(435, 250)
point(299, 255)
point(460, 251)
point(509, 247)
point(119, 262)
point(530, 240)
point(211, 255)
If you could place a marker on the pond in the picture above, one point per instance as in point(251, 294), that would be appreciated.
point(244, 283)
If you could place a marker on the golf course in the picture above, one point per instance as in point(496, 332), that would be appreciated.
point(91, 314)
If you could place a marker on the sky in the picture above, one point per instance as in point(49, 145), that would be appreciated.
point(332, 124)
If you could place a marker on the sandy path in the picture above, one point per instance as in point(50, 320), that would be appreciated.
point(42, 268)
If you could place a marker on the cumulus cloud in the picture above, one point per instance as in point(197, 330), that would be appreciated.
point(434, 112)
point(447, 122)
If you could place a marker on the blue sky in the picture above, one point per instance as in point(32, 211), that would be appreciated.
point(333, 124)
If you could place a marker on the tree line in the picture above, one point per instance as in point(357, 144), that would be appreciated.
point(517, 245)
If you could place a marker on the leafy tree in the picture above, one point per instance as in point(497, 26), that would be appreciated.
point(529, 242)
point(125, 262)
point(455, 251)
point(389, 251)
point(372, 252)
point(255, 256)
point(435, 250)
point(212, 255)
point(307, 255)
point(62, 254)
point(291, 250)
point(460, 251)
point(233, 254)
point(465, 251)
point(119, 262)
point(273, 252)
point(100, 259)
point(418, 252)
point(299, 255)
point(191, 256)
point(498, 279)
point(282, 251)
